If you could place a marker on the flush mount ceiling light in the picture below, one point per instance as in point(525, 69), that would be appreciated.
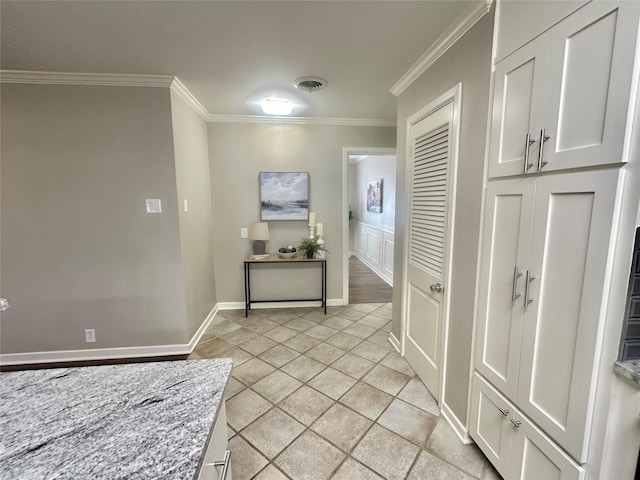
point(276, 106)
point(310, 84)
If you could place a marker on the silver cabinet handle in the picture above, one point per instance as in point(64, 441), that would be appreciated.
point(528, 279)
point(436, 287)
point(528, 142)
point(504, 412)
point(4, 304)
point(224, 464)
point(543, 139)
point(516, 423)
point(516, 276)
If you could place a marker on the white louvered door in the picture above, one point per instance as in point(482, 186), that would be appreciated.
point(427, 231)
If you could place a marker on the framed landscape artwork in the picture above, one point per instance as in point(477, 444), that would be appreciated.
point(374, 195)
point(284, 196)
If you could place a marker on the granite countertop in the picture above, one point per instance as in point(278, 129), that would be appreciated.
point(629, 369)
point(129, 421)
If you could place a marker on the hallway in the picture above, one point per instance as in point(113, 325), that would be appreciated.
point(365, 286)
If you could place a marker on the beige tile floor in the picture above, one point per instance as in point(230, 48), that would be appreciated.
point(315, 397)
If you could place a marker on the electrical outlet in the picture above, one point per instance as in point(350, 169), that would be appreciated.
point(89, 335)
point(244, 233)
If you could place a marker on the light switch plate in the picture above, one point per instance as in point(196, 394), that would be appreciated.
point(186, 205)
point(154, 205)
point(244, 233)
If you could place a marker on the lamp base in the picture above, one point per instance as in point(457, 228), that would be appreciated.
point(258, 247)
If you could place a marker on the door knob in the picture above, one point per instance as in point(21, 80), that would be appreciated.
point(4, 304)
point(437, 287)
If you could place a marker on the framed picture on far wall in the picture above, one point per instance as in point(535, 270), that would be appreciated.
point(284, 196)
point(374, 195)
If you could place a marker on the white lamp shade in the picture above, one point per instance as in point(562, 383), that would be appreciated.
point(259, 231)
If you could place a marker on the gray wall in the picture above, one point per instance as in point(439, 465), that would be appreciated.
point(78, 249)
point(196, 229)
point(238, 152)
point(372, 168)
point(468, 61)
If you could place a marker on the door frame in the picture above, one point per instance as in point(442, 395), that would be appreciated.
point(346, 151)
point(454, 95)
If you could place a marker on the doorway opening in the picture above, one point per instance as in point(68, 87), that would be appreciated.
point(369, 192)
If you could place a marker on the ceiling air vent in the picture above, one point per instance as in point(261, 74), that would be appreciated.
point(310, 84)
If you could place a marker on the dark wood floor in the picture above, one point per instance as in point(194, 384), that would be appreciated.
point(365, 286)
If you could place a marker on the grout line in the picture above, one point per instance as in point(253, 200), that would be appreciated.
point(348, 454)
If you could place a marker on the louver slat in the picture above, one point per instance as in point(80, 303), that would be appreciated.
point(428, 200)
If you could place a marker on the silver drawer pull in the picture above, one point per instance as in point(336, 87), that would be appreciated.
point(516, 276)
point(504, 412)
point(528, 142)
point(224, 464)
point(528, 279)
point(516, 423)
point(543, 139)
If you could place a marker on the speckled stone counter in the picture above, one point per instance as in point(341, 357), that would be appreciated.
point(133, 421)
point(629, 369)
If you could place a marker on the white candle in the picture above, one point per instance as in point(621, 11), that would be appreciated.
point(320, 229)
point(312, 219)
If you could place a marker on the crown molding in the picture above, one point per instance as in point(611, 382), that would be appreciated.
point(101, 79)
point(174, 83)
point(449, 37)
point(344, 122)
point(183, 92)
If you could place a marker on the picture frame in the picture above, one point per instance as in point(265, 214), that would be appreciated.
point(375, 190)
point(284, 196)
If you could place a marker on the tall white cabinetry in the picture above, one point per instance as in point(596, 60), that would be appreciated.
point(559, 134)
point(561, 101)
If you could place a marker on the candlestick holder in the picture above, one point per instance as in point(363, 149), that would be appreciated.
point(320, 253)
point(312, 229)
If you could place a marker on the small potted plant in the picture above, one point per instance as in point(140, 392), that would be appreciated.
point(310, 247)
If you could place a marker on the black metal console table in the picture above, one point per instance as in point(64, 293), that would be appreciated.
point(297, 260)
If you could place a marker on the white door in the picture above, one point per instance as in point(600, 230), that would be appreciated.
point(589, 86)
point(573, 217)
point(518, 107)
point(506, 240)
point(430, 153)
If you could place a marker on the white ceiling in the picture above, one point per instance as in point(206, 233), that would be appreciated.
point(232, 54)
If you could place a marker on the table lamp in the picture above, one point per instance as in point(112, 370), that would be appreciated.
point(258, 232)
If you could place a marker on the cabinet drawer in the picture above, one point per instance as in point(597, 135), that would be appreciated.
point(490, 426)
point(216, 449)
point(516, 447)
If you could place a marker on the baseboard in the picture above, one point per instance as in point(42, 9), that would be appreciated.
point(108, 353)
point(394, 342)
point(331, 302)
point(458, 427)
point(203, 328)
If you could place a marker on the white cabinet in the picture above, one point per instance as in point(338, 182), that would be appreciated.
point(562, 100)
point(545, 251)
point(513, 444)
point(217, 455)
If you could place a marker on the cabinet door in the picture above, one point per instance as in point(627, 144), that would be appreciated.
point(489, 423)
point(591, 64)
point(569, 252)
point(518, 102)
point(505, 256)
point(535, 457)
